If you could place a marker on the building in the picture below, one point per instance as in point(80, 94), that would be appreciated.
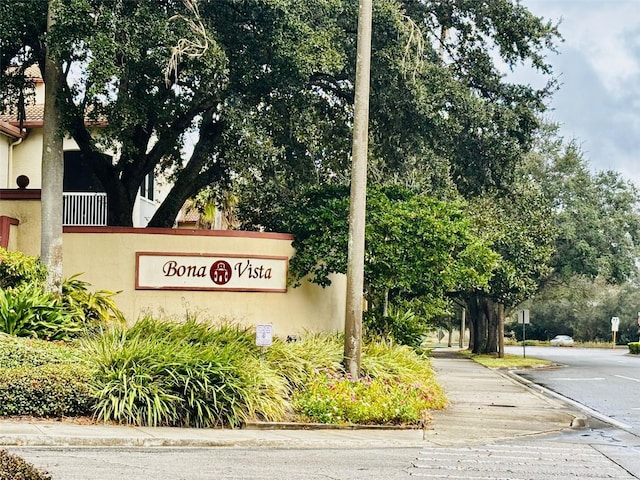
point(84, 200)
point(213, 273)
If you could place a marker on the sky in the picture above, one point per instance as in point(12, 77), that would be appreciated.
point(598, 65)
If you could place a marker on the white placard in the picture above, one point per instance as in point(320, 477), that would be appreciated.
point(615, 323)
point(264, 335)
point(523, 317)
point(181, 271)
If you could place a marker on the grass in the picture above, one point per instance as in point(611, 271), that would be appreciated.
point(508, 362)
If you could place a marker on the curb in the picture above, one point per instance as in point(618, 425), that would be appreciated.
point(579, 422)
point(324, 426)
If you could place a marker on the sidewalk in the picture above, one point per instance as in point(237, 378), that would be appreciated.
point(486, 406)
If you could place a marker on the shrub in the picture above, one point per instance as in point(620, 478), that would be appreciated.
point(401, 364)
point(333, 397)
point(28, 352)
point(13, 467)
point(28, 311)
point(189, 374)
point(398, 387)
point(634, 348)
point(57, 390)
point(92, 309)
point(402, 325)
point(18, 269)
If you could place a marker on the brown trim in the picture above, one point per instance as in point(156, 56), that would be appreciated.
point(39, 123)
point(212, 255)
point(212, 289)
point(5, 229)
point(11, 130)
point(27, 123)
point(180, 231)
point(20, 194)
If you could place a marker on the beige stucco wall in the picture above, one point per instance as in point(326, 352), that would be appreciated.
point(107, 261)
point(5, 142)
point(27, 160)
point(26, 236)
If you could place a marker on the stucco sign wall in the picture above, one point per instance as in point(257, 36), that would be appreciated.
point(186, 271)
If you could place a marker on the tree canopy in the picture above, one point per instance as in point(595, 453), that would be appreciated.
point(260, 92)
point(419, 250)
point(594, 263)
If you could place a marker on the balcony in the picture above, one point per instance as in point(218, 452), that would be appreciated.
point(84, 208)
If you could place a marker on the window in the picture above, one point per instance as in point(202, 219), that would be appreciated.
point(78, 177)
point(147, 187)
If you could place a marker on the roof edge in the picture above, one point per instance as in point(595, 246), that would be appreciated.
point(11, 130)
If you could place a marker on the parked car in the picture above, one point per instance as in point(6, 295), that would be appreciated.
point(562, 341)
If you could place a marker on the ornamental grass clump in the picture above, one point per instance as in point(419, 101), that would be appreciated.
point(297, 361)
point(183, 374)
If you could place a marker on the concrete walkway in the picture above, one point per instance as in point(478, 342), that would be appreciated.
point(486, 406)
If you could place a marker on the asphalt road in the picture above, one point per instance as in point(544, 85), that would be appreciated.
point(534, 459)
point(221, 463)
point(605, 380)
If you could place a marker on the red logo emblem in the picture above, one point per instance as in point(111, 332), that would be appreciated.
point(220, 272)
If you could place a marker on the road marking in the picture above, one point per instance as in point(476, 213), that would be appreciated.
point(628, 378)
point(584, 408)
point(569, 379)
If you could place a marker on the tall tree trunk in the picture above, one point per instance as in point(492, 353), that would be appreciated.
point(478, 320)
point(492, 327)
point(119, 205)
point(52, 167)
point(501, 330)
point(471, 322)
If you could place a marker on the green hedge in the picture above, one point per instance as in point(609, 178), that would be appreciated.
point(56, 390)
point(13, 467)
point(18, 269)
point(634, 347)
point(30, 352)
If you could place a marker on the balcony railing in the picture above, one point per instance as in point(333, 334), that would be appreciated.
point(82, 208)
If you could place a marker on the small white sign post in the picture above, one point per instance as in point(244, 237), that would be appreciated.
point(264, 335)
point(615, 323)
point(523, 318)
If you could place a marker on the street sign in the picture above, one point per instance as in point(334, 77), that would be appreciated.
point(523, 316)
point(615, 322)
point(264, 335)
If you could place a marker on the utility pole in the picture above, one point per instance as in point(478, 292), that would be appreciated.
point(357, 207)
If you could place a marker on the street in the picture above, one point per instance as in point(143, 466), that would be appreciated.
point(605, 380)
point(221, 463)
point(536, 459)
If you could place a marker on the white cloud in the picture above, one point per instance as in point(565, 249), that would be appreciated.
point(605, 32)
point(598, 103)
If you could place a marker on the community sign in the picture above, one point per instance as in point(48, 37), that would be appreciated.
point(185, 271)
